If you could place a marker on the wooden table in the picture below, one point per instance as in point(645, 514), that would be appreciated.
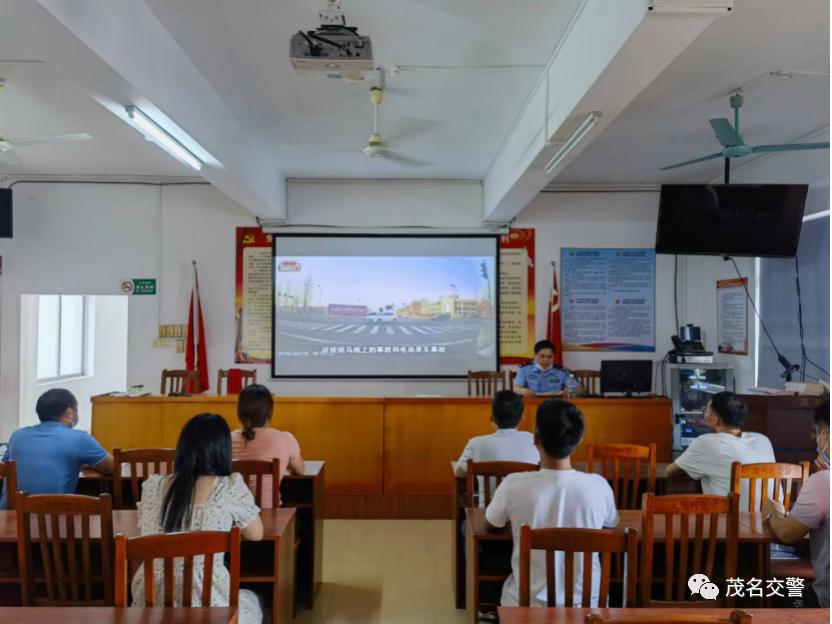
point(304, 493)
point(119, 615)
point(260, 564)
point(480, 542)
point(394, 465)
point(542, 615)
point(663, 486)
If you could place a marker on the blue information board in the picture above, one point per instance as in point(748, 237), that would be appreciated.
point(608, 299)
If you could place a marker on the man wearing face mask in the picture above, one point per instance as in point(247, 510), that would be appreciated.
point(50, 455)
point(810, 513)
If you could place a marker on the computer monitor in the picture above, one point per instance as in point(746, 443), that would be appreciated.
point(626, 376)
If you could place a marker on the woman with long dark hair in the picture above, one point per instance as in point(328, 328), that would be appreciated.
point(200, 495)
point(258, 441)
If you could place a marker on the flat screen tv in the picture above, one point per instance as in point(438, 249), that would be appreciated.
point(730, 219)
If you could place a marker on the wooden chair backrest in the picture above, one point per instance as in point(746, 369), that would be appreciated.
point(589, 379)
point(248, 377)
point(143, 462)
point(8, 476)
point(492, 474)
point(686, 505)
point(782, 476)
point(168, 546)
point(485, 383)
point(253, 472)
point(735, 617)
point(176, 380)
point(605, 542)
point(621, 465)
point(66, 562)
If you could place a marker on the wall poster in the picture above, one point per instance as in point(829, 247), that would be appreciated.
point(517, 331)
point(608, 299)
point(253, 297)
point(732, 316)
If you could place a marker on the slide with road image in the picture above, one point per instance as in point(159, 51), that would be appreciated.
point(384, 315)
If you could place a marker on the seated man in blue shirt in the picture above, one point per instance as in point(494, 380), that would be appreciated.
point(541, 378)
point(50, 455)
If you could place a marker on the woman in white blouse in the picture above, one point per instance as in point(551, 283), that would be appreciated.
point(200, 495)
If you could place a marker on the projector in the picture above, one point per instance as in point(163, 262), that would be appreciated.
point(334, 50)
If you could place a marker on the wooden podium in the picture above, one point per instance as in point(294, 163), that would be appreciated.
point(386, 457)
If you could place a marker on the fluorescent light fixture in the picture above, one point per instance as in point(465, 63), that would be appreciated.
point(692, 6)
point(577, 134)
point(815, 215)
point(154, 132)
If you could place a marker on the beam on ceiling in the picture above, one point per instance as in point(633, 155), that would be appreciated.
point(121, 54)
point(609, 54)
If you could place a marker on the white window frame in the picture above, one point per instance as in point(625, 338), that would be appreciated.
point(85, 316)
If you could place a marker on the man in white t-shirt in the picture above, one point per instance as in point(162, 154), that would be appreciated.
point(506, 443)
point(556, 496)
point(810, 513)
point(709, 457)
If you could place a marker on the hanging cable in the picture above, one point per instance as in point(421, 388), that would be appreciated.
point(675, 290)
point(803, 357)
point(788, 367)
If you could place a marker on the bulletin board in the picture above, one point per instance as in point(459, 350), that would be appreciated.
point(608, 299)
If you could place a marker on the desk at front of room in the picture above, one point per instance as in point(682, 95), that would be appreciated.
point(386, 457)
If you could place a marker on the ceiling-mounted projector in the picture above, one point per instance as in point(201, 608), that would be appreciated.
point(334, 50)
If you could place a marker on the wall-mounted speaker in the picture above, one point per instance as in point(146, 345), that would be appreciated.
point(5, 213)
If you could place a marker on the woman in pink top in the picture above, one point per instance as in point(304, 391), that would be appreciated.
point(258, 441)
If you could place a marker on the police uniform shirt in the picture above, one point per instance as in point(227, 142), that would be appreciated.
point(540, 381)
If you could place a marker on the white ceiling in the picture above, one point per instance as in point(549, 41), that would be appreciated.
point(668, 122)
point(314, 128)
point(455, 117)
point(36, 101)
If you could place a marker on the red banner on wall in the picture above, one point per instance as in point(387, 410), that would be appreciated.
point(253, 297)
point(517, 331)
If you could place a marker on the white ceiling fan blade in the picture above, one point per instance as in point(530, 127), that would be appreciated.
point(8, 157)
point(410, 128)
point(407, 160)
point(50, 139)
point(315, 149)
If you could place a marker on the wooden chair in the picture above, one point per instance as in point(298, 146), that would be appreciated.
point(606, 542)
point(492, 474)
point(781, 477)
point(735, 617)
point(65, 565)
point(248, 376)
point(176, 380)
point(687, 505)
point(784, 480)
point(254, 473)
point(142, 462)
point(621, 465)
point(8, 476)
point(485, 383)
point(168, 546)
point(589, 379)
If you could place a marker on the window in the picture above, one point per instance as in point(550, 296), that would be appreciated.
point(62, 336)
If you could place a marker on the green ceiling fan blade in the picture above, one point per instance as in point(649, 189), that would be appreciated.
point(691, 162)
point(725, 132)
point(790, 147)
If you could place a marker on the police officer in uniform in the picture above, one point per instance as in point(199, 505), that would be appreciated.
point(541, 377)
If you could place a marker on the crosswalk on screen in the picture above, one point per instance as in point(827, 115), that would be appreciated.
point(392, 306)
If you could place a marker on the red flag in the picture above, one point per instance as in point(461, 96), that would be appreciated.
point(553, 319)
point(195, 352)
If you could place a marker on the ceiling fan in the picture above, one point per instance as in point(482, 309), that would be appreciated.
point(8, 146)
point(376, 147)
point(733, 145)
